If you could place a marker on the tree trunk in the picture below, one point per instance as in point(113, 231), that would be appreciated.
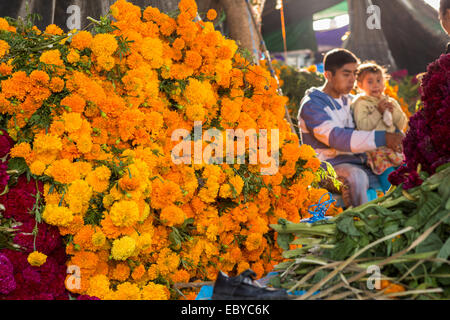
point(240, 25)
point(412, 42)
point(367, 43)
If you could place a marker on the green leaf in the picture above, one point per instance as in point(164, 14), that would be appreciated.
point(284, 240)
point(275, 282)
point(347, 226)
point(443, 167)
point(175, 237)
point(18, 164)
point(444, 188)
point(431, 243)
point(444, 253)
point(343, 249)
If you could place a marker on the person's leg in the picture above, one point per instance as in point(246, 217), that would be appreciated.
point(357, 180)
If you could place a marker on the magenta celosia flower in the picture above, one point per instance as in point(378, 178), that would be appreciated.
point(7, 281)
point(426, 142)
point(6, 143)
point(85, 297)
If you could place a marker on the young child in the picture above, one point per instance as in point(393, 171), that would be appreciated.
point(372, 110)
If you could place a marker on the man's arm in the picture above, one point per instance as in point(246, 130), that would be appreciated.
point(332, 134)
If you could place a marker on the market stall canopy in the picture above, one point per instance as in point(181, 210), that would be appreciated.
point(332, 12)
point(299, 23)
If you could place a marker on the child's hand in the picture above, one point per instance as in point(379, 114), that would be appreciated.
point(384, 105)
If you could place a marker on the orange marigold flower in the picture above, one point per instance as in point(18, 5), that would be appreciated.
point(74, 102)
point(62, 171)
point(83, 238)
point(180, 276)
point(121, 272)
point(172, 215)
point(81, 40)
point(307, 152)
point(152, 14)
point(124, 213)
point(104, 44)
point(4, 25)
point(212, 14)
point(193, 59)
point(56, 84)
point(54, 29)
point(138, 272)
point(73, 56)
point(253, 241)
point(154, 291)
point(165, 193)
point(21, 150)
point(52, 57)
point(4, 48)
point(178, 44)
point(188, 7)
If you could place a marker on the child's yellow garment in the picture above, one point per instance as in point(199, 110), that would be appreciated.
point(368, 118)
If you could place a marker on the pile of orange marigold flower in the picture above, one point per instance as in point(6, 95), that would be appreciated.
point(92, 114)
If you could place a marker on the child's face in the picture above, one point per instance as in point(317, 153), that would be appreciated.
point(372, 84)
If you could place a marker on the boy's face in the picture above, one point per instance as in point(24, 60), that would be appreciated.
point(343, 80)
point(372, 84)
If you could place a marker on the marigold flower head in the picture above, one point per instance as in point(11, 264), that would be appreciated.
point(62, 171)
point(104, 44)
point(124, 213)
point(152, 50)
point(98, 179)
point(153, 291)
point(193, 59)
point(73, 56)
point(4, 48)
point(99, 286)
point(144, 241)
point(307, 152)
point(123, 248)
point(56, 84)
point(253, 241)
point(81, 40)
point(21, 150)
point(211, 14)
point(53, 29)
point(57, 215)
point(36, 259)
point(127, 291)
point(74, 102)
point(37, 167)
point(39, 77)
point(172, 215)
point(121, 272)
point(52, 57)
point(4, 25)
point(98, 239)
point(138, 272)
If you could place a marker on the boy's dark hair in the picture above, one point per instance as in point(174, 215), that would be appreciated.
point(337, 58)
point(370, 67)
point(445, 5)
